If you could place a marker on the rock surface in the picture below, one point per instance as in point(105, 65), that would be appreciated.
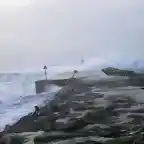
point(83, 116)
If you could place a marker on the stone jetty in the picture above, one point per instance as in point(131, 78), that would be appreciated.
point(80, 114)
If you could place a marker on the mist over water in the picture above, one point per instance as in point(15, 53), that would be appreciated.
point(17, 90)
point(99, 63)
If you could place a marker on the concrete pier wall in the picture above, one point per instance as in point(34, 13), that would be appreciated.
point(40, 85)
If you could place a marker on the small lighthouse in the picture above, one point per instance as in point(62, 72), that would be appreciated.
point(45, 71)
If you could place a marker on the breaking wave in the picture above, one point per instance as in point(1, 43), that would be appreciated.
point(17, 90)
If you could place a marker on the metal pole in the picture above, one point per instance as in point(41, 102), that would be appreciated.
point(74, 72)
point(46, 74)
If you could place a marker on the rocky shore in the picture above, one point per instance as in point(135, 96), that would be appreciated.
point(81, 114)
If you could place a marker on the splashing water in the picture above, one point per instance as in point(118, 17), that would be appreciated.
point(17, 91)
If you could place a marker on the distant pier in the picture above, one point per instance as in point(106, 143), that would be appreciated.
point(42, 85)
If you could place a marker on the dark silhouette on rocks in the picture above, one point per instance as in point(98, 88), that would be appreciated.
point(37, 111)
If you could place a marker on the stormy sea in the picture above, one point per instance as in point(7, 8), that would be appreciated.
point(99, 106)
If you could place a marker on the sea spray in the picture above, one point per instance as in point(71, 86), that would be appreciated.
point(17, 91)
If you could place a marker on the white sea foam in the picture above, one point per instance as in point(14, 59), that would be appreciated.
point(17, 91)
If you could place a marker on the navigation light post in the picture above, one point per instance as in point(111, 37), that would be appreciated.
point(45, 69)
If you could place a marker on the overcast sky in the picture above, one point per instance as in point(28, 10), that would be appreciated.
point(37, 32)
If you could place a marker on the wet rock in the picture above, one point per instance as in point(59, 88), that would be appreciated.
point(69, 141)
point(84, 140)
point(104, 130)
point(45, 111)
point(29, 136)
point(43, 123)
point(25, 124)
point(121, 140)
point(121, 99)
point(31, 123)
point(84, 97)
point(7, 127)
point(115, 106)
point(76, 114)
point(53, 136)
point(12, 139)
point(97, 95)
point(114, 132)
point(62, 123)
point(54, 105)
point(123, 127)
point(70, 124)
point(63, 109)
point(94, 127)
point(76, 125)
point(78, 105)
point(137, 118)
point(140, 110)
point(84, 118)
point(100, 116)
